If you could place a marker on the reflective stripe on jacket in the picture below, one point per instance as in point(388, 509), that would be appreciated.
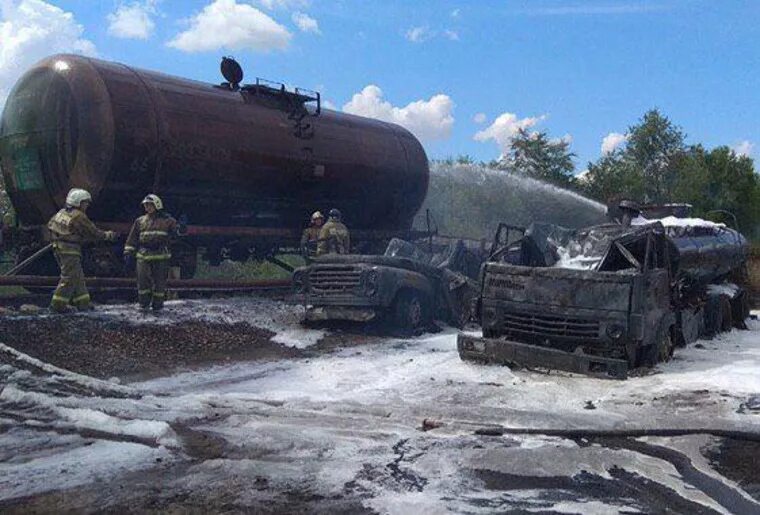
point(150, 236)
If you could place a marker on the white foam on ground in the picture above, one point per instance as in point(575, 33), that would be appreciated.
point(325, 421)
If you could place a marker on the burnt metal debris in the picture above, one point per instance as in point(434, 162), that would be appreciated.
point(630, 296)
point(244, 163)
point(412, 284)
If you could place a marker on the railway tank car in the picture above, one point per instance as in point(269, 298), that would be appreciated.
point(245, 164)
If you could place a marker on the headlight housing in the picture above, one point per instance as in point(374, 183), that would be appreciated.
point(371, 280)
point(615, 331)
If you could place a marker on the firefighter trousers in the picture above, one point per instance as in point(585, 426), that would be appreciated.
point(71, 286)
point(151, 282)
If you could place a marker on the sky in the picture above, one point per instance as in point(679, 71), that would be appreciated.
point(463, 76)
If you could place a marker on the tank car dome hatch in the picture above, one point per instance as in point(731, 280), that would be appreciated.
point(231, 71)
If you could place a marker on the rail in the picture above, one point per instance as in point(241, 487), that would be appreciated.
point(118, 283)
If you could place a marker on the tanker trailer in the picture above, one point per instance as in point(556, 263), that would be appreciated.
point(244, 163)
point(608, 298)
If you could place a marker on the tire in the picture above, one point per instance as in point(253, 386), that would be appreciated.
point(409, 311)
point(740, 310)
point(712, 316)
point(463, 314)
point(726, 316)
point(660, 351)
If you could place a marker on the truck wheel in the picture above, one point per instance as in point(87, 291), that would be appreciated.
point(462, 312)
point(726, 318)
point(712, 315)
point(740, 310)
point(409, 311)
point(661, 351)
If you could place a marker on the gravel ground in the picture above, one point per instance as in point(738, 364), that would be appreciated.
point(119, 341)
point(110, 348)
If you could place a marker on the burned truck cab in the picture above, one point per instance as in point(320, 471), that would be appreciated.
point(408, 284)
point(597, 300)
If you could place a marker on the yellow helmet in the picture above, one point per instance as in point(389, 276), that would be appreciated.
point(155, 200)
point(316, 215)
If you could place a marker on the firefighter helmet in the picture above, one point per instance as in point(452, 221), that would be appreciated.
point(334, 213)
point(76, 196)
point(155, 200)
point(317, 215)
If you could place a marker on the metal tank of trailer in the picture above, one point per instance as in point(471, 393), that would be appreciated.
point(237, 160)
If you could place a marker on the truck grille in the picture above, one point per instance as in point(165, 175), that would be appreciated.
point(334, 280)
point(550, 326)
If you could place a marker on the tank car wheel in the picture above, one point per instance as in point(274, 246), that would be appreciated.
point(409, 311)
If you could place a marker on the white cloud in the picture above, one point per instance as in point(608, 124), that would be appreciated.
point(283, 4)
point(31, 30)
point(306, 23)
point(419, 34)
point(451, 34)
point(612, 141)
point(427, 119)
point(744, 148)
point(479, 118)
point(455, 13)
point(230, 25)
point(505, 128)
point(133, 21)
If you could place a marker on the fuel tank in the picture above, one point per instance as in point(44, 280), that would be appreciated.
point(220, 156)
point(708, 253)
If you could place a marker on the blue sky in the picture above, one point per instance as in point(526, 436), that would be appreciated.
point(581, 68)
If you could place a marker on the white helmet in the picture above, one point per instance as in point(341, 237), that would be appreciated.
point(316, 215)
point(155, 200)
point(76, 196)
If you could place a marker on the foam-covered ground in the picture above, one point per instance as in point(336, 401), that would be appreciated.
point(342, 431)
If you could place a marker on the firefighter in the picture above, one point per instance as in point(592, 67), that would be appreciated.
point(334, 237)
point(148, 242)
point(69, 229)
point(310, 236)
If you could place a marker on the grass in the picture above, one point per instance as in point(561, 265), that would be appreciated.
point(248, 270)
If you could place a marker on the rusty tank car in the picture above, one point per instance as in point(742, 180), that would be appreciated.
point(244, 163)
point(609, 298)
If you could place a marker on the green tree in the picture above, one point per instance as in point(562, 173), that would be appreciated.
point(655, 149)
point(536, 155)
point(647, 168)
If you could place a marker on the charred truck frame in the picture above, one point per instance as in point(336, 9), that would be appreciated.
point(608, 298)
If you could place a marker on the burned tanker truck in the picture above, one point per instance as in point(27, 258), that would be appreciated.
point(609, 298)
point(245, 164)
